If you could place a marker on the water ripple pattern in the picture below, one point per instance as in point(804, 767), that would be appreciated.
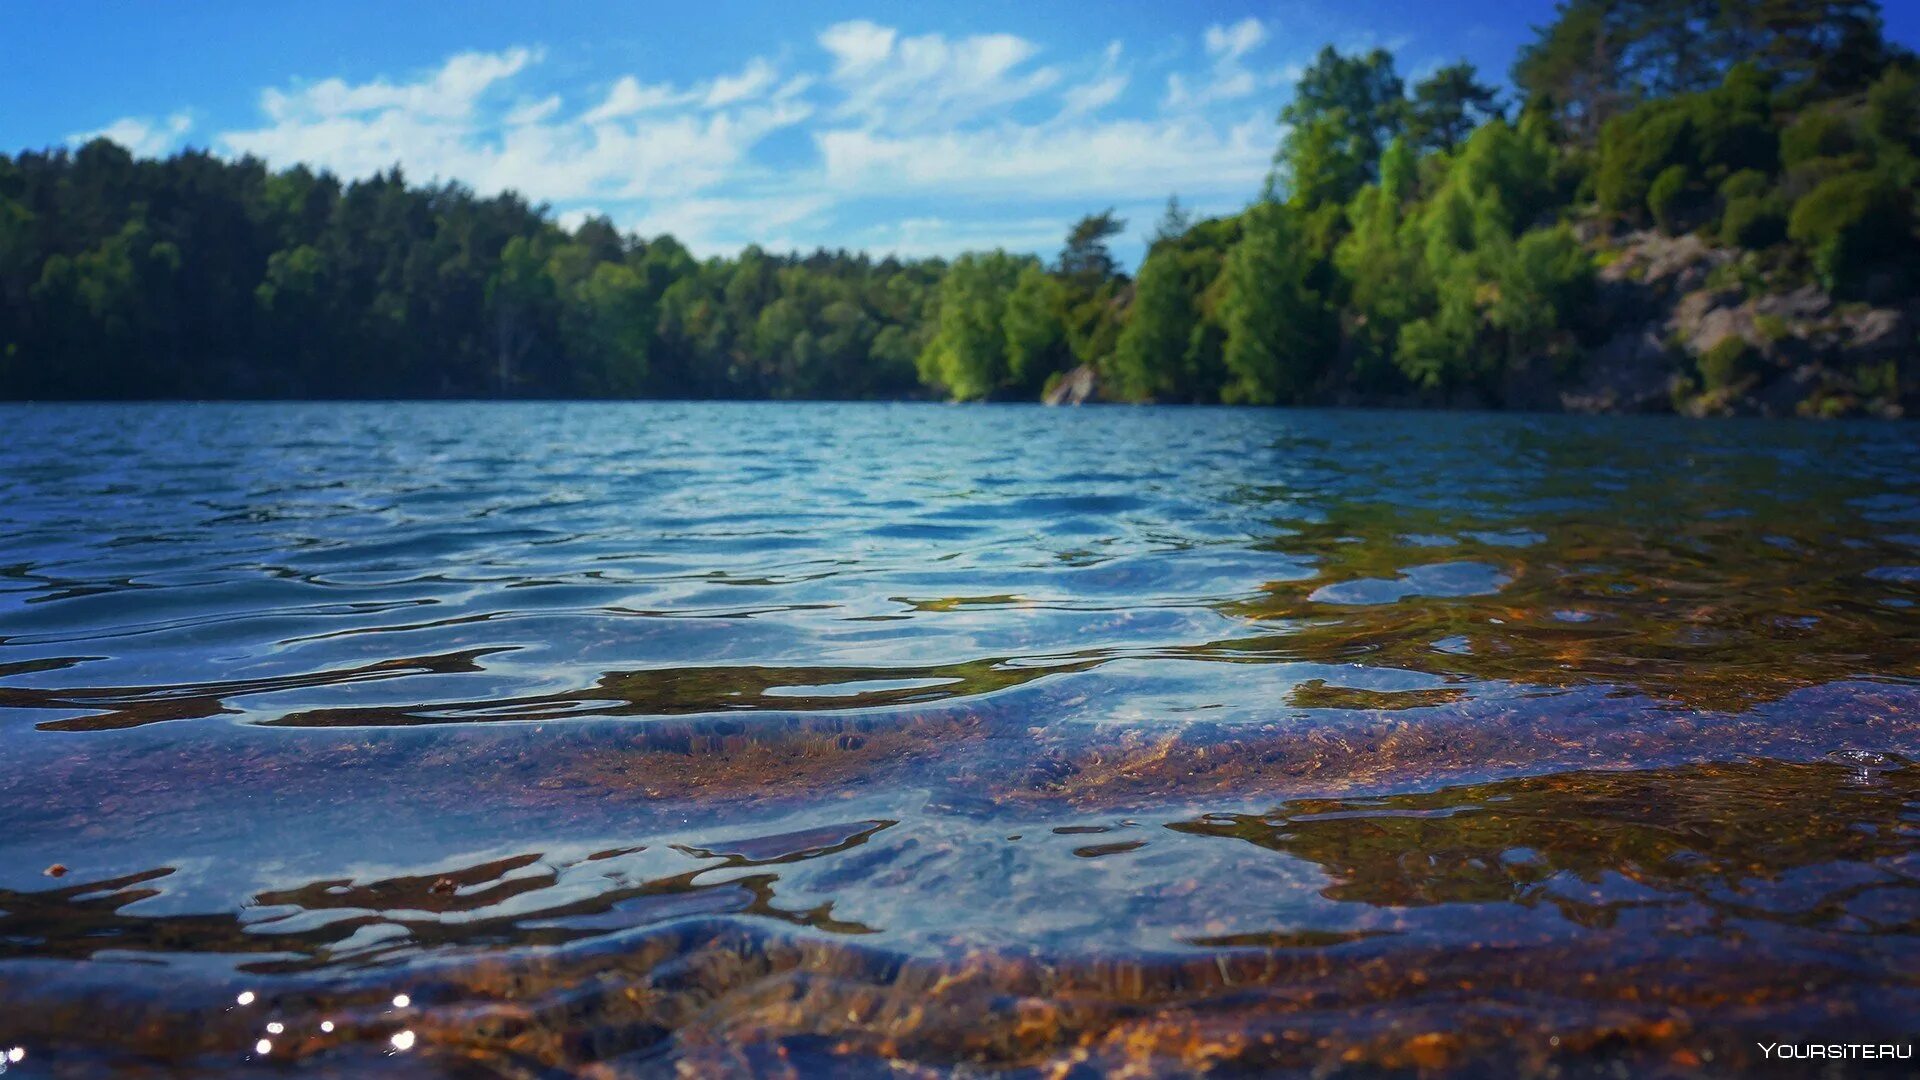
point(872, 737)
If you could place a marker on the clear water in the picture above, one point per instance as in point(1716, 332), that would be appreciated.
point(905, 739)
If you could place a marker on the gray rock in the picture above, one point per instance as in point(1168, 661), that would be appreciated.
point(1076, 387)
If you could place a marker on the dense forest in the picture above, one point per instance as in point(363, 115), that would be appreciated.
point(1432, 242)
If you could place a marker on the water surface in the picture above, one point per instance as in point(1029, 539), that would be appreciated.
point(910, 740)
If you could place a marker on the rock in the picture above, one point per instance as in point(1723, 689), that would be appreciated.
point(1805, 302)
point(1076, 387)
point(1630, 373)
point(1676, 264)
point(1706, 317)
point(1809, 355)
point(1876, 334)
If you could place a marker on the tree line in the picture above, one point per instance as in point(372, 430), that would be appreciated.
point(1419, 239)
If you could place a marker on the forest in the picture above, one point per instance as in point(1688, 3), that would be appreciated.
point(1422, 242)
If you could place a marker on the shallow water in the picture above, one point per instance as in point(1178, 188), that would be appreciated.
point(903, 740)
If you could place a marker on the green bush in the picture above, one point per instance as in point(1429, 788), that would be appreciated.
point(1667, 197)
point(1878, 380)
point(1771, 327)
point(1634, 148)
point(1893, 109)
point(1849, 222)
point(1753, 221)
point(1745, 184)
point(1817, 134)
point(1713, 133)
point(1729, 361)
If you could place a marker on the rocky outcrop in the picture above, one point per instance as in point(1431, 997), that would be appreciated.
point(1694, 328)
point(1076, 387)
point(1633, 372)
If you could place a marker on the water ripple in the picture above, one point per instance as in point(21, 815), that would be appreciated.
point(729, 738)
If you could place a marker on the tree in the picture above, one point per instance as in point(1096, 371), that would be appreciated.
point(521, 296)
point(1448, 105)
point(968, 353)
point(1173, 223)
point(1276, 341)
point(1086, 303)
point(1086, 255)
point(1036, 341)
point(608, 326)
point(1149, 359)
point(1383, 268)
point(1598, 58)
point(1344, 111)
point(1829, 46)
point(97, 304)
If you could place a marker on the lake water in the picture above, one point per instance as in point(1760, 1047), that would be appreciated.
point(914, 740)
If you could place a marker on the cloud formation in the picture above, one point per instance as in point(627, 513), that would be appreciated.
point(922, 143)
point(144, 136)
point(1229, 78)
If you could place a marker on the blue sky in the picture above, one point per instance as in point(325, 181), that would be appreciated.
point(916, 128)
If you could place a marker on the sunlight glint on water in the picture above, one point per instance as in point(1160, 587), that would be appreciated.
point(720, 736)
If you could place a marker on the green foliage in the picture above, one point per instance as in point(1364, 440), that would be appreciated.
point(1036, 340)
point(1599, 58)
point(1634, 149)
point(1817, 133)
point(1454, 289)
point(99, 300)
point(1171, 343)
point(968, 353)
point(1728, 363)
point(1707, 135)
point(1753, 221)
point(1421, 245)
point(1666, 196)
point(1850, 222)
point(1893, 109)
point(1086, 304)
point(1543, 283)
point(194, 276)
point(609, 318)
point(1745, 184)
point(1276, 333)
point(1148, 360)
point(1085, 254)
point(1447, 105)
point(1344, 110)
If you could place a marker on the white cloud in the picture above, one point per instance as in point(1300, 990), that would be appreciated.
point(858, 45)
point(750, 83)
point(451, 93)
point(1102, 90)
point(629, 97)
point(535, 112)
point(893, 125)
point(143, 136)
point(640, 142)
point(903, 83)
point(1228, 78)
point(728, 223)
point(1230, 43)
point(919, 237)
point(1093, 96)
point(1114, 160)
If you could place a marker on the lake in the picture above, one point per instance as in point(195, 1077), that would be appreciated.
point(512, 739)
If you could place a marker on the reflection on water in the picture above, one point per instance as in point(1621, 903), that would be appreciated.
point(893, 739)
